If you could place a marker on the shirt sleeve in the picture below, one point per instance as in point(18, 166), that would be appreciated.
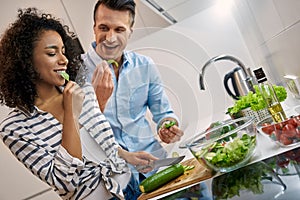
point(159, 103)
point(67, 164)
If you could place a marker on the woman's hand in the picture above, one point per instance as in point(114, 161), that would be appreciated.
point(73, 97)
point(137, 158)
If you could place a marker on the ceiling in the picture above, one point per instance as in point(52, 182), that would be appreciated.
point(163, 13)
point(171, 11)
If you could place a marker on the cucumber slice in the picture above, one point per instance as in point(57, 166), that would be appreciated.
point(113, 62)
point(64, 75)
point(175, 154)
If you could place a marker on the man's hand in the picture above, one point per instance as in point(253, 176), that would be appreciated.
point(170, 134)
point(102, 83)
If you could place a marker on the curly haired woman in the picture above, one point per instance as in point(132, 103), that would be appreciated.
point(50, 115)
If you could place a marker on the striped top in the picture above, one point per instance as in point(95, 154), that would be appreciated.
point(35, 140)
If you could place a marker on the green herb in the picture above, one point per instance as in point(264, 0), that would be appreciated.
point(255, 100)
point(113, 62)
point(170, 124)
point(64, 75)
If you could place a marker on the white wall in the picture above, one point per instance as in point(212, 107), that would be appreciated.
point(271, 31)
point(181, 50)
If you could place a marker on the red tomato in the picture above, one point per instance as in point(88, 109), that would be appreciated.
point(298, 133)
point(297, 120)
point(293, 121)
point(297, 117)
point(289, 130)
point(267, 128)
point(279, 125)
point(278, 134)
point(285, 139)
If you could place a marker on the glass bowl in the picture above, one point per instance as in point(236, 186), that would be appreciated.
point(225, 147)
point(285, 133)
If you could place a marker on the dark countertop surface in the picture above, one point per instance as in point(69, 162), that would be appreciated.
point(276, 177)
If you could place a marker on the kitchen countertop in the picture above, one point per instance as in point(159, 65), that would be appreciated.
point(266, 179)
point(266, 149)
point(282, 185)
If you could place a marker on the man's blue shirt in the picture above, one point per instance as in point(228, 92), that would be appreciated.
point(138, 88)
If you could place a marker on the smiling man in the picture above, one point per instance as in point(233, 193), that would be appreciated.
point(126, 90)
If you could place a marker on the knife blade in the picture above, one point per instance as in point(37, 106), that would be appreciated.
point(160, 163)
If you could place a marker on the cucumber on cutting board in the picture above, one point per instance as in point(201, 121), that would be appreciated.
point(162, 177)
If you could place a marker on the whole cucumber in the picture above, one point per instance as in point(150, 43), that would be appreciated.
point(162, 177)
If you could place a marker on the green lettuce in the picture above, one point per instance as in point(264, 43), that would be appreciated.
point(255, 100)
point(229, 153)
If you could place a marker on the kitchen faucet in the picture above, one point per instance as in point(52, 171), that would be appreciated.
point(242, 81)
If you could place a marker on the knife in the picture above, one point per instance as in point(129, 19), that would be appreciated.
point(160, 163)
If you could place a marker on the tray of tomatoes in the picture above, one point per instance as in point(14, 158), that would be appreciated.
point(285, 133)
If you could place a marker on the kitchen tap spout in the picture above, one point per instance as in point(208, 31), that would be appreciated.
point(217, 58)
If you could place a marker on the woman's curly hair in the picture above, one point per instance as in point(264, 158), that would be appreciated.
point(18, 76)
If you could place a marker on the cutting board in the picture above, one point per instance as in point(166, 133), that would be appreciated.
point(199, 173)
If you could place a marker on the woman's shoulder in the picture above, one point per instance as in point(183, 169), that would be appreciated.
point(14, 117)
